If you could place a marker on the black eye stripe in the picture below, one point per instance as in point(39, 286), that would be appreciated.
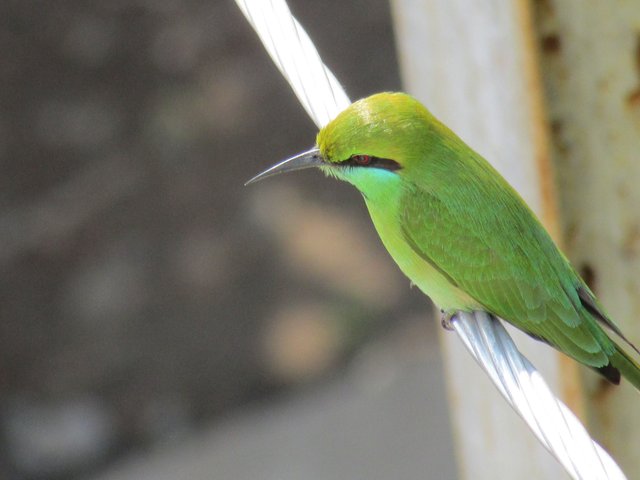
point(369, 161)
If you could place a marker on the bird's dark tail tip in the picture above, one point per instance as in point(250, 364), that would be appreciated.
point(610, 372)
point(620, 363)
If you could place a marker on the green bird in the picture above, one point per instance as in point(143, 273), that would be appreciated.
point(459, 231)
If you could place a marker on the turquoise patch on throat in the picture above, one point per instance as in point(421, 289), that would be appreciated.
point(373, 182)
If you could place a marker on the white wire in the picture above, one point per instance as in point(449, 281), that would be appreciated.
point(516, 378)
point(296, 57)
point(523, 387)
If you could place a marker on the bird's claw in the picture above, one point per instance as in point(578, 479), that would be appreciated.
point(445, 319)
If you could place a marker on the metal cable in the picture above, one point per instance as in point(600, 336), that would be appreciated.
point(295, 55)
point(557, 428)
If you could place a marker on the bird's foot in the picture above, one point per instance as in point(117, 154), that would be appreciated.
point(445, 319)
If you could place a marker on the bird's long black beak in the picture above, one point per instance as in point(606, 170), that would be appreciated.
point(308, 159)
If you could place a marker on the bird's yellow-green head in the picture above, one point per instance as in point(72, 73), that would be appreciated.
point(384, 125)
point(372, 142)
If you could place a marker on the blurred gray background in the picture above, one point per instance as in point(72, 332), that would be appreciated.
point(157, 318)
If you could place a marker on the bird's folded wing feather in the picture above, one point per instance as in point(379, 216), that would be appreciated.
point(488, 243)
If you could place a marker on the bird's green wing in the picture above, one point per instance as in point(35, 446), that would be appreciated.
point(487, 242)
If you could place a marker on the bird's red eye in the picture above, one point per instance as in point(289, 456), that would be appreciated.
point(362, 159)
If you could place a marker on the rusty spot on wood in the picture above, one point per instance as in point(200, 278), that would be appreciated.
point(570, 236)
point(556, 126)
point(604, 389)
point(636, 53)
point(633, 99)
point(551, 43)
point(631, 244)
point(544, 7)
point(588, 274)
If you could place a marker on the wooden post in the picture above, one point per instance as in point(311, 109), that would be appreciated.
point(474, 64)
point(591, 64)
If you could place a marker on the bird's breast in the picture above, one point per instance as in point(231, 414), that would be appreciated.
point(421, 273)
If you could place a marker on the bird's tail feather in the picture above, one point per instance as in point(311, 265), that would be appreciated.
point(628, 367)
